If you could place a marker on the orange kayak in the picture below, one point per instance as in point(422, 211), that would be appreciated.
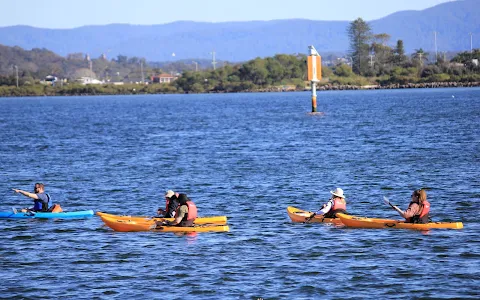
point(129, 225)
point(363, 222)
point(301, 216)
point(220, 220)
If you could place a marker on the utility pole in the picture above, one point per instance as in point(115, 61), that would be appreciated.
point(141, 70)
point(421, 59)
point(436, 54)
point(16, 72)
point(213, 60)
point(90, 66)
point(371, 60)
point(471, 42)
point(196, 65)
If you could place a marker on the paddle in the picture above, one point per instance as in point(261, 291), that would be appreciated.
point(385, 199)
point(309, 218)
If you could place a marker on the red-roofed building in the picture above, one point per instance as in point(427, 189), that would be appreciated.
point(163, 78)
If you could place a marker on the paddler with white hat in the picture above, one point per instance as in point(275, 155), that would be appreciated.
point(336, 204)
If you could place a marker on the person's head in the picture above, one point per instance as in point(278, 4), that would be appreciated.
point(414, 196)
point(169, 194)
point(337, 193)
point(419, 196)
point(422, 195)
point(182, 199)
point(39, 188)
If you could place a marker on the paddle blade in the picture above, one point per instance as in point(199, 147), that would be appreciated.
point(385, 199)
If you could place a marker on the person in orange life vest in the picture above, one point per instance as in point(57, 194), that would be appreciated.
point(171, 205)
point(186, 213)
point(336, 204)
point(418, 210)
point(40, 198)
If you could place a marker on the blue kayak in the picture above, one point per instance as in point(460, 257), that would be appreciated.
point(46, 215)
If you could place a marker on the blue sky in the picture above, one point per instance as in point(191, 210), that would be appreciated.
point(69, 14)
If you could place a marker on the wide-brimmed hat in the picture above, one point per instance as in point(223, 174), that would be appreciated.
point(338, 192)
point(169, 194)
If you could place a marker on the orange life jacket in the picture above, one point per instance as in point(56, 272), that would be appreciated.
point(190, 217)
point(339, 206)
point(339, 203)
point(423, 217)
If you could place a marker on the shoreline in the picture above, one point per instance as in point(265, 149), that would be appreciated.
point(327, 87)
point(428, 85)
point(411, 86)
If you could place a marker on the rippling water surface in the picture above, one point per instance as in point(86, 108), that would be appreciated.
point(246, 156)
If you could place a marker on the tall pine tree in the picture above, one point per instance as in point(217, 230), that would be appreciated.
point(360, 34)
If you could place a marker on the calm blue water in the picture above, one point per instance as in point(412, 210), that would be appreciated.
point(246, 156)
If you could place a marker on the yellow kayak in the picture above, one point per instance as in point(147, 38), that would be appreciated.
point(129, 225)
point(220, 220)
point(300, 216)
point(363, 222)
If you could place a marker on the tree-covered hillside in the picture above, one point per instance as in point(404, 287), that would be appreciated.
point(243, 41)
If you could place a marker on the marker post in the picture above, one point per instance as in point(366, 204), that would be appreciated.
point(314, 68)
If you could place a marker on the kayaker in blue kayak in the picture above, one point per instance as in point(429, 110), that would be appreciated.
point(418, 210)
point(40, 198)
point(336, 204)
point(171, 205)
point(185, 215)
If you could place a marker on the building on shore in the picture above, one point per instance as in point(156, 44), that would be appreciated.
point(163, 78)
point(89, 80)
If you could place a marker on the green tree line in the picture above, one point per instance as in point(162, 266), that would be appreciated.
point(370, 61)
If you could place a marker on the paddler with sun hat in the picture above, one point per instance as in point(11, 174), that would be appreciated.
point(336, 204)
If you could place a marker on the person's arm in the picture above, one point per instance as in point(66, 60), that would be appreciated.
point(181, 213)
point(410, 212)
point(31, 195)
point(398, 210)
point(325, 209)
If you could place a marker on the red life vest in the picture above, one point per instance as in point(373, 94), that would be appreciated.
point(167, 202)
point(192, 211)
point(339, 204)
point(426, 209)
point(190, 216)
point(423, 217)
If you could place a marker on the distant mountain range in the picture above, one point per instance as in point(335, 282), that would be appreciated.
point(453, 23)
